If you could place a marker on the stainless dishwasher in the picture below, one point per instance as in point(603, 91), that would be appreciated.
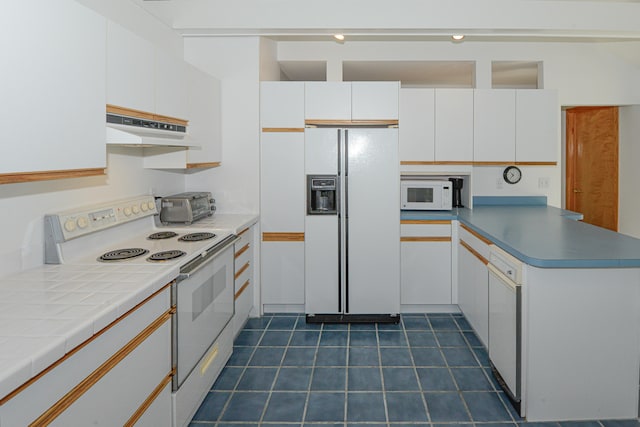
point(505, 321)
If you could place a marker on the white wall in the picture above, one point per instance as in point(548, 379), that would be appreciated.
point(23, 206)
point(236, 62)
point(629, 174)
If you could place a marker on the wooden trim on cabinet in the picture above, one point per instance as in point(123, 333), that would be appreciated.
point(426, 221)
point(283, 130)
point(472, 163)
point(426, 239)
point(85, 385)
point(474, 252)
point(130, 112)
point(242, 289)
point(476, 234)
point(283, 237)
point(242, 270)
point(150, 399)
point(330, 122)
point(536, 163)
point(12, 178)
point(203, 165)
point(242, 250)
point(75, 350)
point(244, 231)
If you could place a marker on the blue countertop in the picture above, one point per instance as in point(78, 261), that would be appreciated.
point(544, 236)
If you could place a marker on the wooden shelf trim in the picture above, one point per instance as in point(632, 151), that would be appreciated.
point(150, 399)
point(85, 385)
point(130, 112)
point(474, 252)
point(203, 165)
point(242, 270)
point(425, 239)
point(426, 221)
point(476, 234)
point(315, 122)
point(83, 345)
point(12, 178)
point(242, 289)
point(242, 250)
point(472, 163)
point(282, 130)
point(283, 237)
point(244, 231)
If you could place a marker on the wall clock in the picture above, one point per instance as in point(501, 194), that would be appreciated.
point(512, 174)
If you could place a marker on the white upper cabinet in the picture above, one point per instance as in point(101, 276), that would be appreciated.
point(53, 87)
point(130, 69)
point(494, 125)
point(454, 125)
point(374, 100)
point(416, 133)
point(537, 125)
point(171, 86)
point(282, 105)
point(327, 101)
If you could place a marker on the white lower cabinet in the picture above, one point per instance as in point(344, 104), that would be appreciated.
point(122, 376)
point(425, 264)
point(473, 281)
point(244, 261)
point(282, 279)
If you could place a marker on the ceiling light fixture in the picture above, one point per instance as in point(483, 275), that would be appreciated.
point(339, 37)
point(457, 37)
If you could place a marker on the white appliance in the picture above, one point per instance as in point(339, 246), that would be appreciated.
point(427, 194)
point(200, 260)
point(352, 236)
point(505, 322)
point(134, 131)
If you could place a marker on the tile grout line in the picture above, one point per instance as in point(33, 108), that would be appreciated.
point(415, 369)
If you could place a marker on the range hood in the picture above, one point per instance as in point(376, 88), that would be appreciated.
point(140, 129)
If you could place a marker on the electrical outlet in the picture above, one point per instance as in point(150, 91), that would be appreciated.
point(543, 182)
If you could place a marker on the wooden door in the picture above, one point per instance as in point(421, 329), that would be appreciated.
point(592, 164)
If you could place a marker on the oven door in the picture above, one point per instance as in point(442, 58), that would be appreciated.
point(204, 306)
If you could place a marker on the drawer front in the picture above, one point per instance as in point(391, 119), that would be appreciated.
point(244, 273)
point(244, 255)
point(246, 237)
point(425, 230)
point(477, 242)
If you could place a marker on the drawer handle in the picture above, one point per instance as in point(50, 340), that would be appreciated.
point(209, 360)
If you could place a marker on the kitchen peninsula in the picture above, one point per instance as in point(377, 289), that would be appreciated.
point(580, 308)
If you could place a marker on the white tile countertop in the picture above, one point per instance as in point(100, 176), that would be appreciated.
point(47, 311)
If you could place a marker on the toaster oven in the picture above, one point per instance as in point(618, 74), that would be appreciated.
point(186, 208)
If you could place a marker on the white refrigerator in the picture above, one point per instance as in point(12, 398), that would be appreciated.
point(352, 256)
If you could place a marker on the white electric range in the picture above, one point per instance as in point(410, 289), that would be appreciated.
point(201, 261)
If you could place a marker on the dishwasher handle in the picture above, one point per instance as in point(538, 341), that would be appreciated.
point(503, 277)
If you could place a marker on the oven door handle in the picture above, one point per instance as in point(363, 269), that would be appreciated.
point(196, 264)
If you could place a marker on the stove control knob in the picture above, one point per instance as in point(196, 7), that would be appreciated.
point(70, 225)
point(127, 211)
point(144, 207)
point(82, 222)
point(151, 205)
point(135, 209)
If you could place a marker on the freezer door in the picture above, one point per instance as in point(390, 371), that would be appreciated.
point(372, 181)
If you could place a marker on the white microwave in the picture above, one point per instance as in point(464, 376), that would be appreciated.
point(427, 195)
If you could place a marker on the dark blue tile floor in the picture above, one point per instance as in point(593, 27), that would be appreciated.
point(428, 371)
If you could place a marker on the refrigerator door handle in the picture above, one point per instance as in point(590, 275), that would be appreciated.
point(346, 219)
point(339, 154)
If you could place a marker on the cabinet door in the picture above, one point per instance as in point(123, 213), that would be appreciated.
point(426, 273)
point(537, 125)
point(204, 116)
point(53, 87)
point(416, 133)
point(282, 280)
point(454, 125)
point(327, 101)
point(130, 69)
point(473, 292)
point(282, 181)
point(282, 104)
point(494, 125)
point(171, 86)
point(374, 100)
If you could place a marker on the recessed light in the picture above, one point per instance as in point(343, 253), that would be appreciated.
point(339, 37)
point(457, 37)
